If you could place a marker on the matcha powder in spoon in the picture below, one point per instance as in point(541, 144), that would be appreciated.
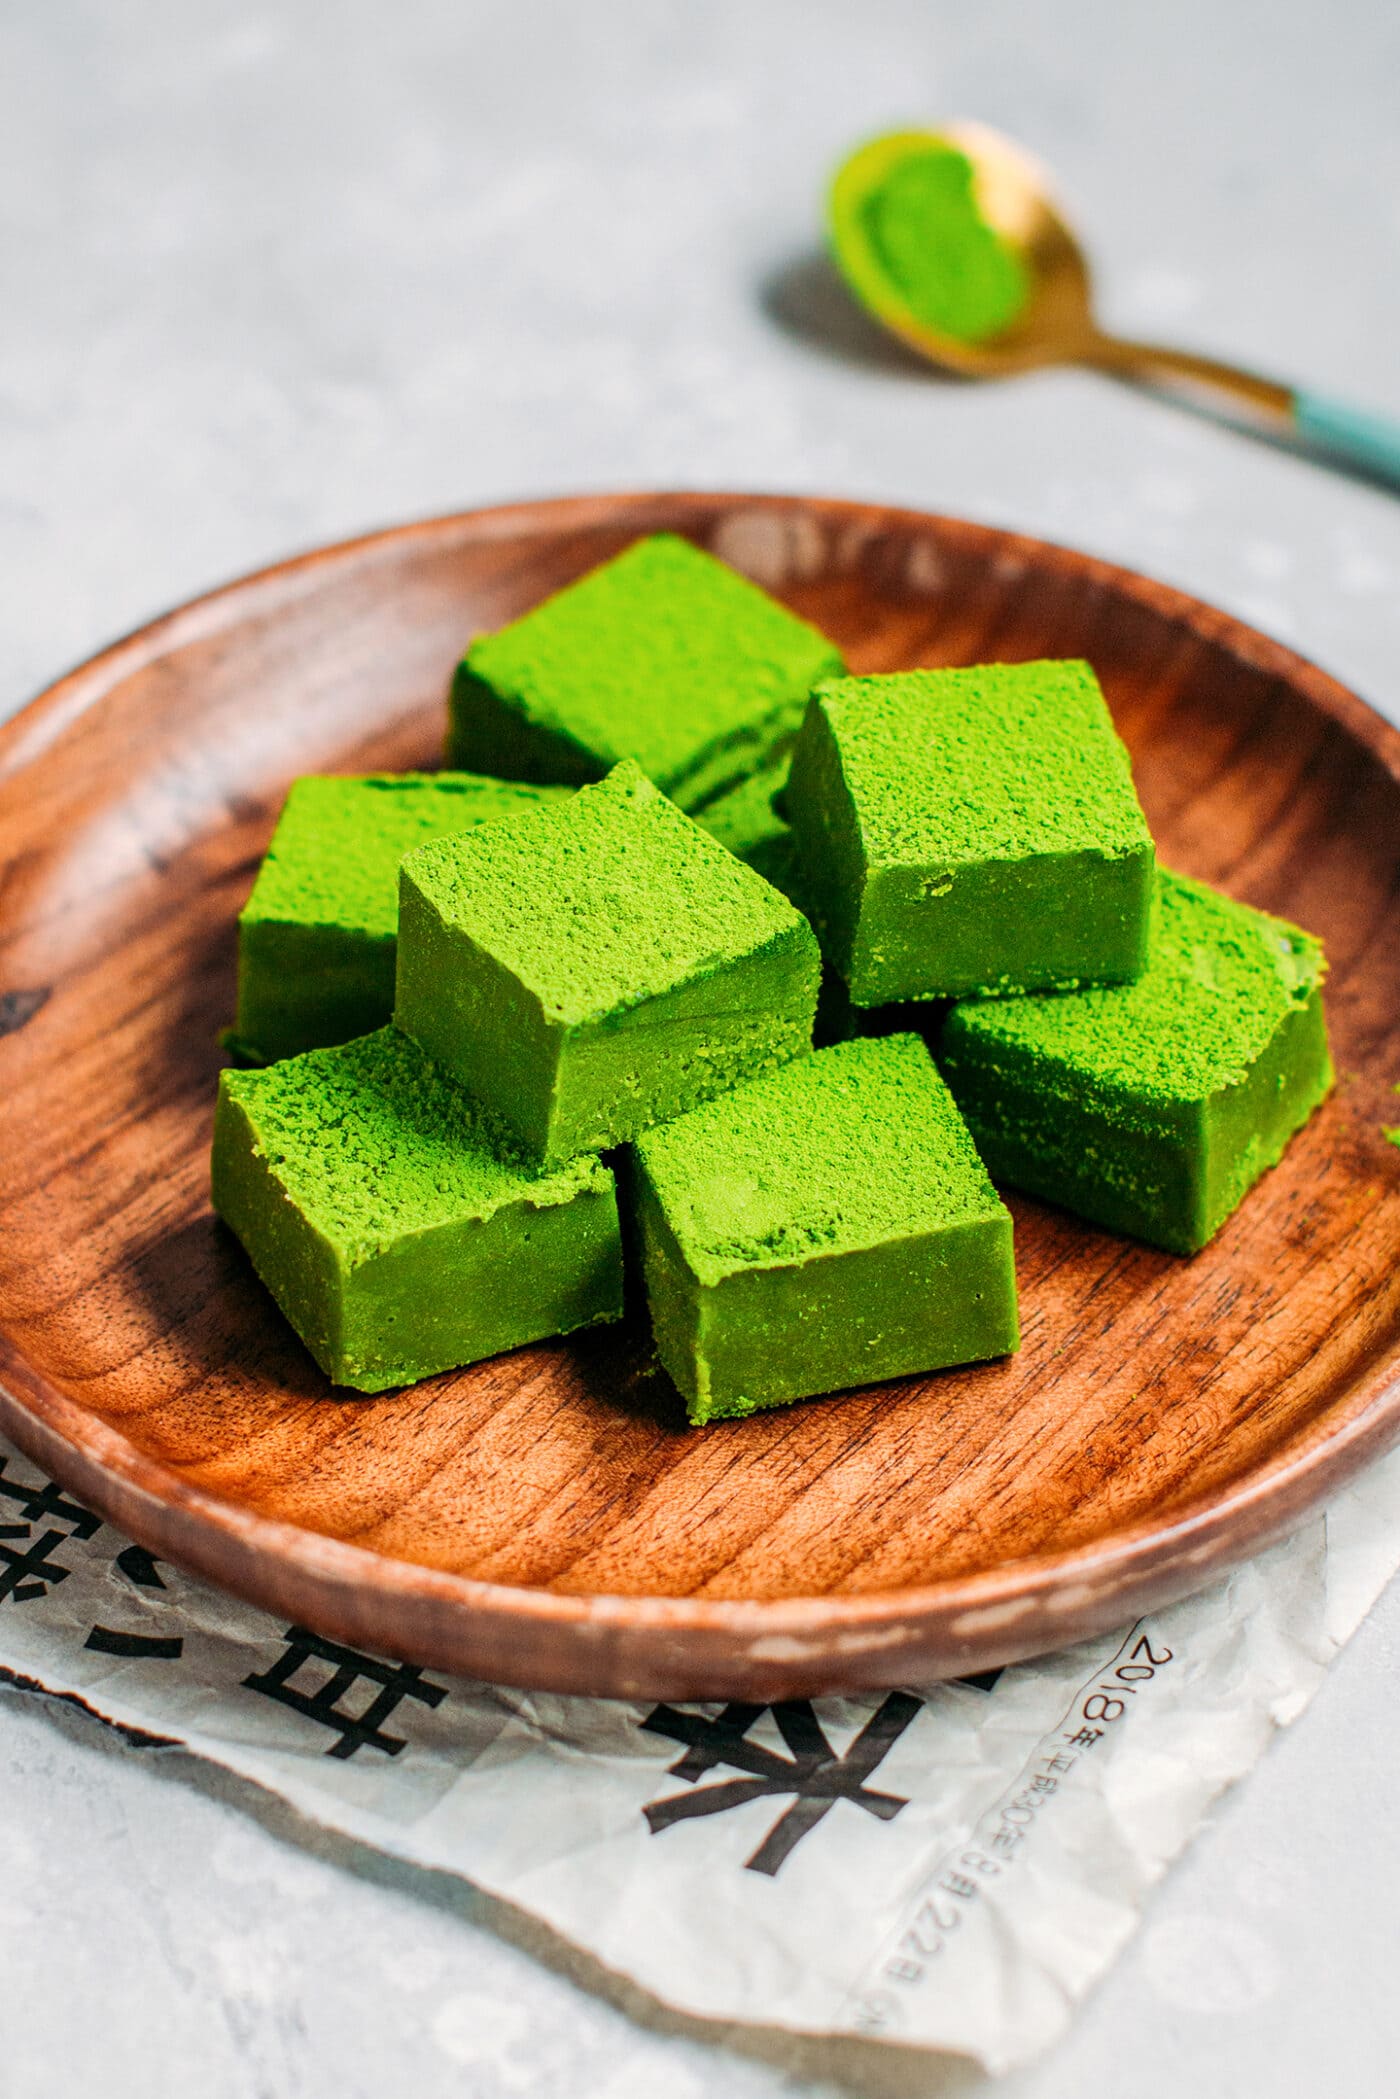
point(954, 270)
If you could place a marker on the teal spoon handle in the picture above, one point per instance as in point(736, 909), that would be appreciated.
point(1354, 434)
point(1348, 436)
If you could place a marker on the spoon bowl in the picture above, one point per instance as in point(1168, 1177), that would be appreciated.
point(1012, 196)
point(1055, 323)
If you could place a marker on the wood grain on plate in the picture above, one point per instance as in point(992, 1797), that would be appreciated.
point(545, 1518)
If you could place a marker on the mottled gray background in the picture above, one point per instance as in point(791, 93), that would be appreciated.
point(276, 274)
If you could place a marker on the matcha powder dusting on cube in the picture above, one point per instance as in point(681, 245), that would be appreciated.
point(828, 1225)
point(663, 655)
point(1153, 1107)
point(598, 966)
point(970, 831)
point(398, 1230)
point(316, 937)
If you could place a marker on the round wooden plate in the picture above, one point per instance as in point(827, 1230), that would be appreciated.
point(546, 1519)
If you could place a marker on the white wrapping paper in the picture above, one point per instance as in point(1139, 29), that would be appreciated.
point(951, 1867)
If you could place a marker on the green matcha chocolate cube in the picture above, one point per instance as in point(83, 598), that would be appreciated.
point(316, 937)
point(966, 831)
point(397, 1232)
point(828, 1225)
point(664, 655)
point(1153, 1107)
point(599, 965)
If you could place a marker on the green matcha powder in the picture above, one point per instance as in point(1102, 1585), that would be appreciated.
point(955, 272)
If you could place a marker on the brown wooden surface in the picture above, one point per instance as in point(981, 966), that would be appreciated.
point(546, 1518)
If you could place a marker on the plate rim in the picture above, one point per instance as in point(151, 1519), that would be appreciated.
point(982, 1612)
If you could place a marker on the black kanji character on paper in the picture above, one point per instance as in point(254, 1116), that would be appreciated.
point(135, 1647)
point(814, 1773)
point(31, 1571)
point(140, 1566)
point(396, 1680)
point(984, 1680)
point(28, 1569)
point(48, 1499)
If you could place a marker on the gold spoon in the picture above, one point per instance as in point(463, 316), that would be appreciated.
point(1055, 324)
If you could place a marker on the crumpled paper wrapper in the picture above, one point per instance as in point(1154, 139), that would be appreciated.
point(952, 1866)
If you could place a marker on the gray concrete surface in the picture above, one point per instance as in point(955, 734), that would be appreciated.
point(274, 274)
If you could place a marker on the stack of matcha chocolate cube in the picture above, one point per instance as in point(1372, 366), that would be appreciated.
point(495, 1012)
